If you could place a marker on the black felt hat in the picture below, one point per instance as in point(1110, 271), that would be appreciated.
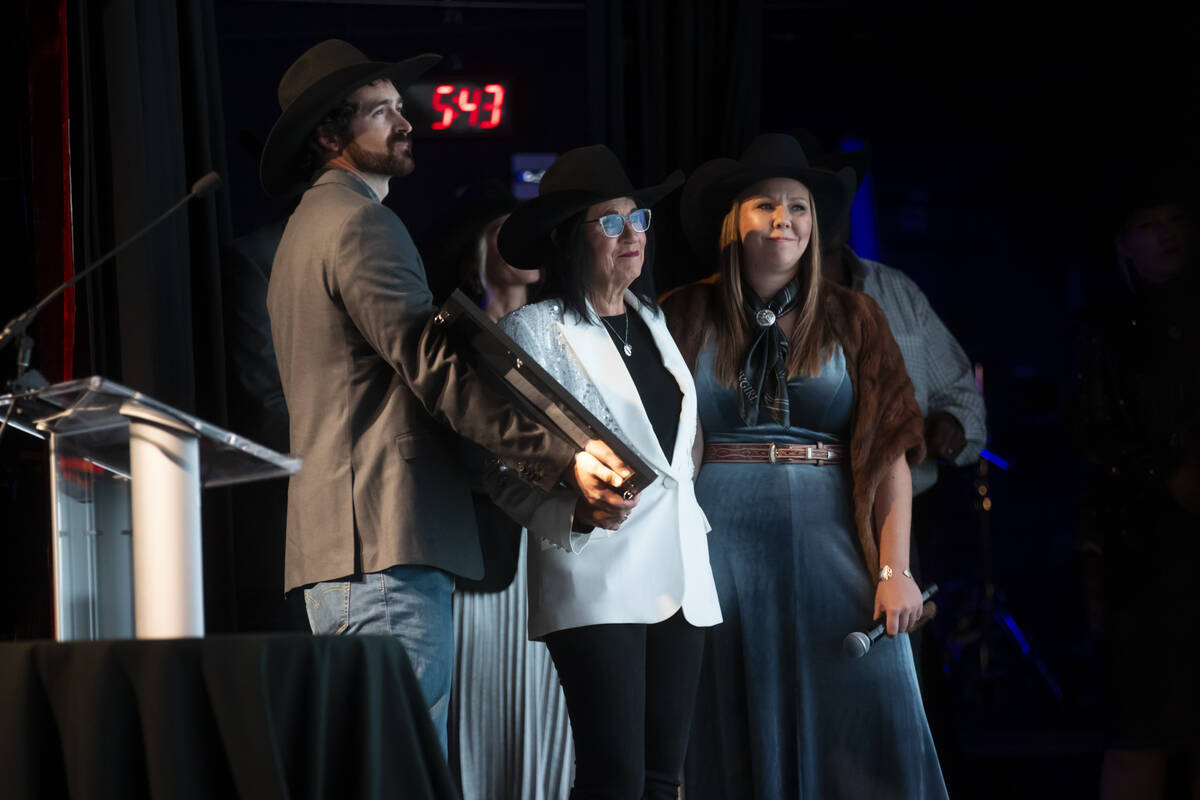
point(577, 179)
point(459, 229)
point(834, 160)
point(313, 85)
point(712, 188)
point(822, 158)
point(475, 207)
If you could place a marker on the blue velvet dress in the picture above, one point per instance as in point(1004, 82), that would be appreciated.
point(782, 712)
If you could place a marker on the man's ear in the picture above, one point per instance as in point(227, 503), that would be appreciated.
point(328, 143)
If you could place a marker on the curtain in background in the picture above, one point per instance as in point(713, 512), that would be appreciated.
point(146, 123)
point(674, 84)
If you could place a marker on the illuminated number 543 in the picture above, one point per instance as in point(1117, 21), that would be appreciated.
point(450, 102)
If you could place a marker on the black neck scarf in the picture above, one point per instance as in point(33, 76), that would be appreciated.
point(763, 376)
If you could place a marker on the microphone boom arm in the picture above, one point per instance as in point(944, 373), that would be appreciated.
point(17, 326)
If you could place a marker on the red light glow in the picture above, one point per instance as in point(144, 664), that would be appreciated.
point(496, 106)
point(471, 107)
point(465, 104)
point(447, 111)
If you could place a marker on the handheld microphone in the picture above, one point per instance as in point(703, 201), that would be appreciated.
point(857, 644)
point(205, 186)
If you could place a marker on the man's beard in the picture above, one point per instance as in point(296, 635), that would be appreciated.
point(389, 163)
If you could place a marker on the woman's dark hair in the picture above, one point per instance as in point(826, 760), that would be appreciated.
point(566, 273)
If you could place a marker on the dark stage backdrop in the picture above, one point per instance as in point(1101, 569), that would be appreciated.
point(160, 92)
point(675, 84)
point(146, 122)
point(35, 218)
point(991, 128)
point(663, 84)
point(540, 55)
point(994, 132)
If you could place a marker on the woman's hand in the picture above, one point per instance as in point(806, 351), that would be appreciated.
point(597, 476)
point(597, 516)
point(900, 599)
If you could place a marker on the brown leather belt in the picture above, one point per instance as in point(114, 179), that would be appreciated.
point(771, 453)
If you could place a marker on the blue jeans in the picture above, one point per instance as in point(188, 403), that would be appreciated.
point(409, 602)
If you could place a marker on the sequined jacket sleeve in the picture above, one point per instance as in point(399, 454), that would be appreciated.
point(549, 515)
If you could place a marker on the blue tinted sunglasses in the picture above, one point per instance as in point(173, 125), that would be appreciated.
point(613, 224)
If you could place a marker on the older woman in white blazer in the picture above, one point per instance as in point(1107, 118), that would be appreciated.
point(623, 595)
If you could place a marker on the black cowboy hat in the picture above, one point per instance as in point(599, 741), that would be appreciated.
point(447, 242)
point(712, 188)
point(821, 157)
point(313, 85)
point(475, 206)
point(577, 179)
point(834, 160)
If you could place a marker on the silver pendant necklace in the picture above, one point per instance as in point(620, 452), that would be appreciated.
point(628, 350)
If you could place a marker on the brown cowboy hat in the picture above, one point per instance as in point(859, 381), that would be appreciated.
point(712, 188)
point(313, 85)
point(577, 179)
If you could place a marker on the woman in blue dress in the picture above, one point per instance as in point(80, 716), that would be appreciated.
point(809, 425)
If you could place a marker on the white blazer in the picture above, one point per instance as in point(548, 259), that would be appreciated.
point(657, 562)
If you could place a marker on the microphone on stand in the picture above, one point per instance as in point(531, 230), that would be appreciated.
point(205, 186)
point(857, 644)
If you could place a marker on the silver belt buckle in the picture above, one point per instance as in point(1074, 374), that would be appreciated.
point(771, 454)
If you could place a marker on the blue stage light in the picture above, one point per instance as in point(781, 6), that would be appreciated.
point(864, 230)
point(992, 458)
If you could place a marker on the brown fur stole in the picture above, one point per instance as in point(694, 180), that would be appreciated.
point(886, 418)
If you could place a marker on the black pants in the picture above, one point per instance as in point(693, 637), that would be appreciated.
point(630, 693)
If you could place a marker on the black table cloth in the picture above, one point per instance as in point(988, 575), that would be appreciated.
point(279, 716)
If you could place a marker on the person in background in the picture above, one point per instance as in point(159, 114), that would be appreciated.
point(461, 252)
point(257, 411)
point(509, 732)
point(943, 377)
point(1138, 417)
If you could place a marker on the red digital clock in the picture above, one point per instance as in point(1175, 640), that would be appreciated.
point(466, 107)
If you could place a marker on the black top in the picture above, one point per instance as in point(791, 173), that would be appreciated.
point(657, 387)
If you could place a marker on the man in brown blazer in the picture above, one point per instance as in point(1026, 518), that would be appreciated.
point(380, 516)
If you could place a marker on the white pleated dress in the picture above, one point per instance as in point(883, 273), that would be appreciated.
point(513, 735)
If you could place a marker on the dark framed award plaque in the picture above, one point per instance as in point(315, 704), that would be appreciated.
point(532, 390)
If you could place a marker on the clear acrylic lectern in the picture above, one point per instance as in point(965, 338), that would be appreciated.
point(125, 479)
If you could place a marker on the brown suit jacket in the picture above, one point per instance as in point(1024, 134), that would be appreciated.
point(367, 379)
point(886, 421)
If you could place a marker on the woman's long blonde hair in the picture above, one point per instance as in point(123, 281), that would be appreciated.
point(811, 339)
